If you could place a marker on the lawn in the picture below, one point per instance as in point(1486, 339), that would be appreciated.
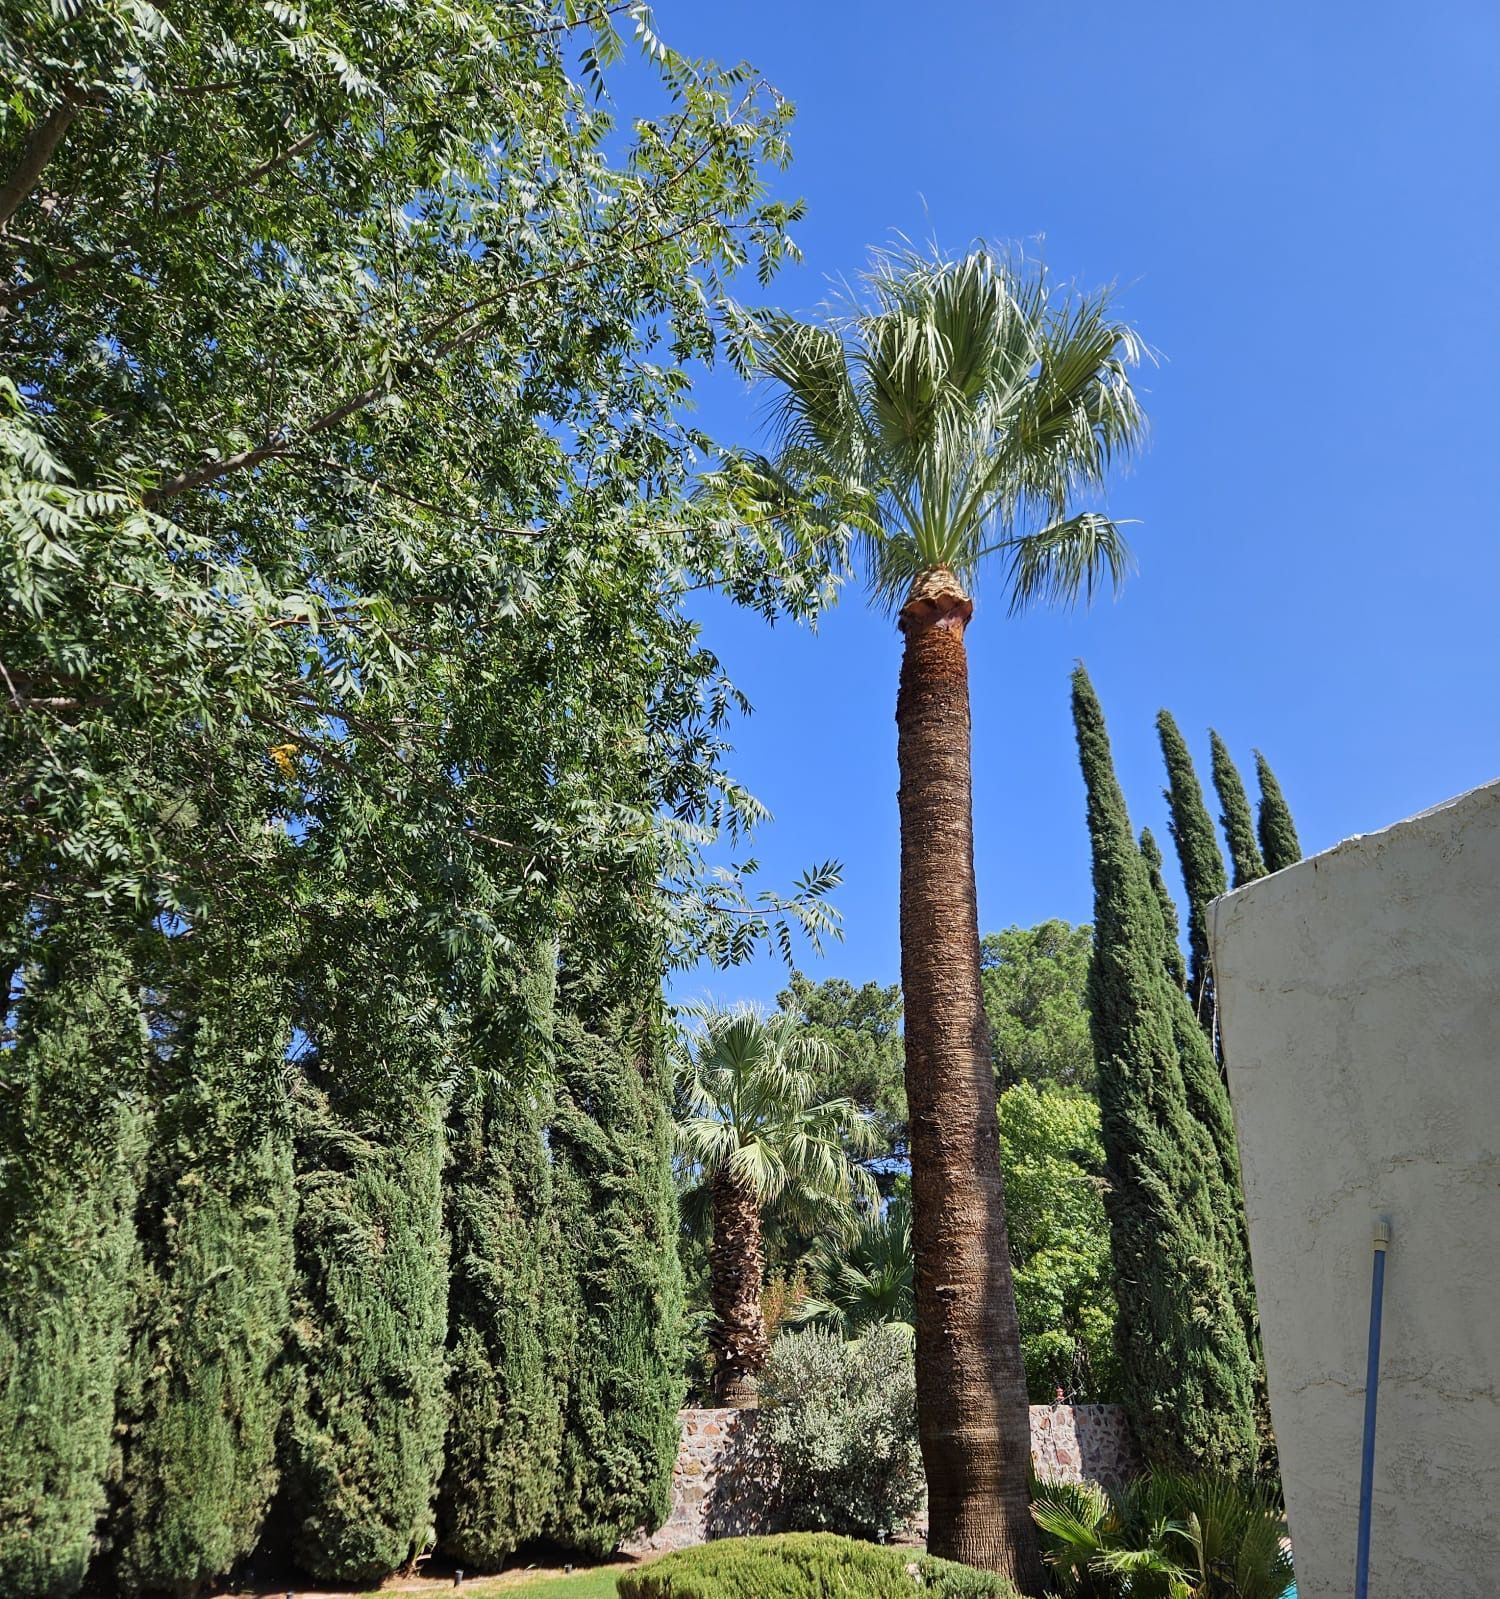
point(598, 1584)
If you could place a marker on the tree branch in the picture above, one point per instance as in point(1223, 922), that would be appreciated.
point(35, 154)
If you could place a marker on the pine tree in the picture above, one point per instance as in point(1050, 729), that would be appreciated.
point(1278, 836)
point(507, 1333)
point(613, 1146)
point(1239, 829)
point(205, 1392)
point(1151, 854)
point(1188, 1368)
point(1199, 858)
point(369, 1310)
point(70, 1146)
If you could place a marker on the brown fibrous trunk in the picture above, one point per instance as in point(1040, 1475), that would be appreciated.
point(972, 1408)
point(736, 1266)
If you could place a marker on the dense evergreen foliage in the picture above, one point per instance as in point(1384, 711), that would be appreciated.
point(1198, 856)
point(1239, 827)
point(369, 1310)
point(617, 1218)
point(1279, 844)
point(508, 1340)
point(205, 1390)
point(71, 1139)
point(1151, 854)
point(1187, 1364)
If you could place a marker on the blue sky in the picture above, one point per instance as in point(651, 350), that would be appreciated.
point(1299, 204)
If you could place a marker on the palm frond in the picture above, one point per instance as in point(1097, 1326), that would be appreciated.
point(972, 404)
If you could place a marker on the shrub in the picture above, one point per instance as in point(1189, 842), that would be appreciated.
point(841, 1423)
point(807, 1566)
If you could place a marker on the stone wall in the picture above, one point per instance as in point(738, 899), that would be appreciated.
point(723, 1485)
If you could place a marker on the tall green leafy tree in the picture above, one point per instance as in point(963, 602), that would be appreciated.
point(1035, 985)
point(1059, 1241)
point(1279, 844)
point(1188, 1368)
point(71, 1140)
point(1198, 856)
point(862, 1027)
point(964, 409)
point(1239, 826)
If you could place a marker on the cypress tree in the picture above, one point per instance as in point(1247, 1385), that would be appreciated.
point(1239, 829)
point(1278, 836)
point(369, 1307)
point(507, 1333)
point(613, 1145)
point(70, 1145)
point(1198, 856)
point(1151, 854)
point(205, 1394)
point(1188, 1369)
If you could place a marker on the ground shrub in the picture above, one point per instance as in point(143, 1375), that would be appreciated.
point(807, 1566)
point(840, 1420)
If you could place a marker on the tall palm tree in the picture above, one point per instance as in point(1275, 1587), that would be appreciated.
point(962, 407)
point(866, 1282)
point(752, 1125)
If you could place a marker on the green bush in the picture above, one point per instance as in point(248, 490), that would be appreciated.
point(841, 1423)
point(804, 1565)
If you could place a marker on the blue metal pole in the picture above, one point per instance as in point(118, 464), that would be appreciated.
point(1372, 1392)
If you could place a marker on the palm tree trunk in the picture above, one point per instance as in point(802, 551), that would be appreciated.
point(736, 1265)
point(971, 1385)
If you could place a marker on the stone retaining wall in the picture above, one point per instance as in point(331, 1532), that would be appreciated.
point(722, 1483)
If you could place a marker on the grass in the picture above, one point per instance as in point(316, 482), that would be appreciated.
point(581, 1585)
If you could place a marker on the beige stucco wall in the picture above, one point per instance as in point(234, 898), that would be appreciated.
point(1359, 1001)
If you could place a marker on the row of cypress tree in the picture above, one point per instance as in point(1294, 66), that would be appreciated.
point(1188, 1326)
point(411, 1282)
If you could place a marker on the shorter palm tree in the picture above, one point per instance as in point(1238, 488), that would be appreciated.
point(754, 1132)
point(866, 1282)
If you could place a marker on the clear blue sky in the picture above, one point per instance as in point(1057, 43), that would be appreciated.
point(1299, 203)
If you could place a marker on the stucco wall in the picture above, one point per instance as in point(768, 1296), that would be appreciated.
point(723, 1483)
point(1359, 1002)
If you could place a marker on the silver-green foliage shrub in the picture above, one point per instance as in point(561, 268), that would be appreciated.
point(840, 1420)
point(807, 1565)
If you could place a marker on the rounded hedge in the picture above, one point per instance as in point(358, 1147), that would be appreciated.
point(807, 1565)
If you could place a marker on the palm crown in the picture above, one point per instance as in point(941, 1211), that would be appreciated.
point(749, 1106)
point(965, 406)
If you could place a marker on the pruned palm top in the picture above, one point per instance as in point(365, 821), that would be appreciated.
point(963, 408)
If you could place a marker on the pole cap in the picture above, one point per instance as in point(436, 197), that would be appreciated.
point(1382, 1233)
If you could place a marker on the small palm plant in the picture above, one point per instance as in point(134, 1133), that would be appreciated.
point(866, 1282)
point(754, 1131)
point(1163, 1536)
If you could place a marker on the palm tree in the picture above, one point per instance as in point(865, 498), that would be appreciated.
point(753, 1127)
point(961, 407)
point(866, 1282)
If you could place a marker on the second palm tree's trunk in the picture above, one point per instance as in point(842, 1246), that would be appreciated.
point(736, 1265)
point(971, 1385)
